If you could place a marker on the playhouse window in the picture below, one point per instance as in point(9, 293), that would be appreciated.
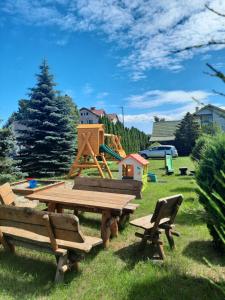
point(128, 171)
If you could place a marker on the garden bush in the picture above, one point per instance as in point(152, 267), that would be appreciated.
point(210, 177)
point(200, 147)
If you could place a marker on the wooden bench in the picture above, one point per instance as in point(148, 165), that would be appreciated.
point(110, 186)
point(58, 234)
point(125, 186)
point(162, 220)
point(7, 197)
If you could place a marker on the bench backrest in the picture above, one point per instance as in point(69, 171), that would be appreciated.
point(129, 187)
point(7, 196)
point(62, 226)
point(166, 208)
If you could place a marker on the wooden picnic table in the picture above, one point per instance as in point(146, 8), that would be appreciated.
point(108, 204)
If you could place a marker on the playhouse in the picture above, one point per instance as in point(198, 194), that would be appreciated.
point(133, 166)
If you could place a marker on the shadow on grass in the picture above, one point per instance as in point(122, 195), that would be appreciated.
point(175, 286)
point(93, 223)
point(191, 217)
point(22, 276)
point(132, 254)
point(184, 189)
point(203, 251)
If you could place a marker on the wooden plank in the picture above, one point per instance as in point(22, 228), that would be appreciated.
point(43, 241)
point(108, 190)
point(64, 226)
point(87, 195)
point(7, 196)
point(144, 222)
point(107, 183)
point(74, 196)
point(85, 203)
point(130, 187)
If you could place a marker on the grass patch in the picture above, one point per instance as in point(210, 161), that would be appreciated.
point(193, 271)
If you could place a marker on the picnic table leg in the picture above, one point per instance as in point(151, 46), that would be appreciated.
point(51, 207)
point(105, 228)
point(59, 209)
point(114, 227)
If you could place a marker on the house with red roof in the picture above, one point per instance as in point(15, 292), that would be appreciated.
point(92, 115)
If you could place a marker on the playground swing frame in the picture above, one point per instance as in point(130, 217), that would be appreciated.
point(79, 165)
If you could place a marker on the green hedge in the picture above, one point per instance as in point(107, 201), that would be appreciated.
point(210, 177)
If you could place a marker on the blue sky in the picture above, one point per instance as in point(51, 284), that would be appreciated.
point(110, 54)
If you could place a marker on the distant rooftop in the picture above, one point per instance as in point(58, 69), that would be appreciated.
point(164, 131)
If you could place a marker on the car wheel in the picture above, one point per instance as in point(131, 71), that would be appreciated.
point(144, 156)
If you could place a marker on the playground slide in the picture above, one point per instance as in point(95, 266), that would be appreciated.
point(169, 164)
point(108, 150)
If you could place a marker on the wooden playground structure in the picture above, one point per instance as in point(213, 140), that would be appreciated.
point(115, 144)
point(90, 138)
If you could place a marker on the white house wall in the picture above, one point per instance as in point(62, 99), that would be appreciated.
point(88, 117)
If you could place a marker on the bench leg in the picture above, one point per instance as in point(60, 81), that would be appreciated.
point(156, 242)
point(105, 228)
point(144, 240)
point(6, 244)
point(170, 238)
point(124, 220)
point(62, 267)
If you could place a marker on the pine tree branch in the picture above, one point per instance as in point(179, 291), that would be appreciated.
point(216, 72)
point(214, 11)
point(207, 44)
point(219, 93)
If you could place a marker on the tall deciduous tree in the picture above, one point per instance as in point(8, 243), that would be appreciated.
point(187, 134)
point(46, 135)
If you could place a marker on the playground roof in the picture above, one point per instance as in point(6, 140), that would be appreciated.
point(164, 131)
point(90, 126)
point(136, 157)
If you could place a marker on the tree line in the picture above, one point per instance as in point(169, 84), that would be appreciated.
point(132, 139)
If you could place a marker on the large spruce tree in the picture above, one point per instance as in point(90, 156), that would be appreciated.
point(186, 134)
point(46, 134)
point(9, 170)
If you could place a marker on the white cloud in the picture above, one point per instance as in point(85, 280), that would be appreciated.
point(150, 30)
point(157, 98)
point(169, 115)
point(88, 89)
point(102, 95)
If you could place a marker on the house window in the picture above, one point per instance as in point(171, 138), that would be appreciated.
point(90, 121)
point(206, 119)
point(81, 114)
point(81, 122)
point(86, 114)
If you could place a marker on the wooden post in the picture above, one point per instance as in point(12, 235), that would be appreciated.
point(105, 228)
point(62, 267)
point(106, 165)
point(8, 246)
point(50, 232)
point(114, 227)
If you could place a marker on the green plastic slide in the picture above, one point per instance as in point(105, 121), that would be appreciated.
point(169, 164)
point(108, 150)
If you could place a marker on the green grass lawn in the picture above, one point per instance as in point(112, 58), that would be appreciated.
point(193, 271)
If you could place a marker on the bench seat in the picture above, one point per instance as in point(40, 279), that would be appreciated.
point(131, 207)
point(31, 237)
point(144, 222)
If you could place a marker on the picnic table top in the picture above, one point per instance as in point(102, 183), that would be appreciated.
point(92, 199)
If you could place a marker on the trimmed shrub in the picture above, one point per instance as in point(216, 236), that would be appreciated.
point(210, 177)
point(200, 147)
